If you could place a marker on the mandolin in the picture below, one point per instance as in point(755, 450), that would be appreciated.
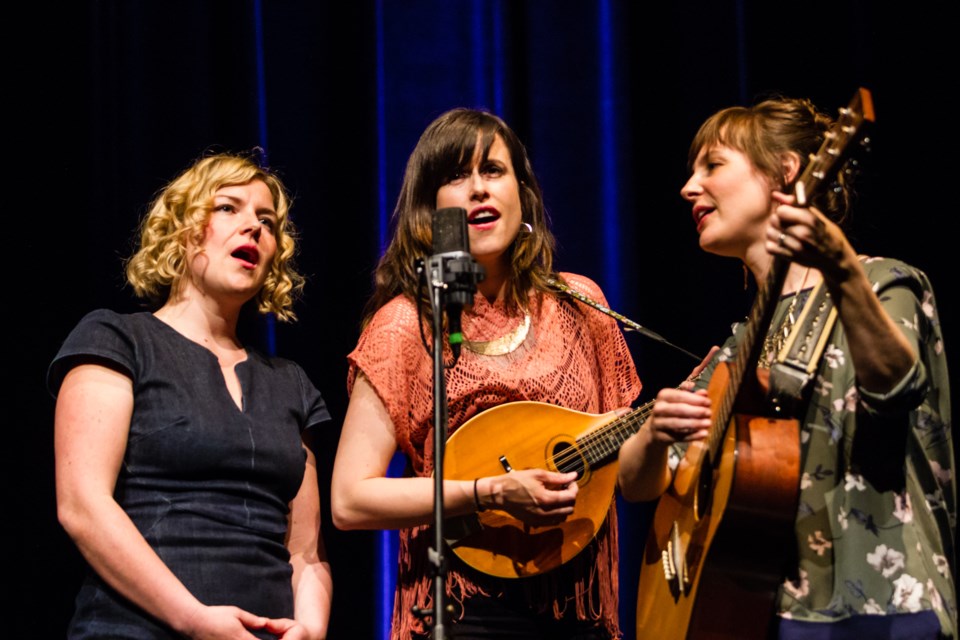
point(527, 435)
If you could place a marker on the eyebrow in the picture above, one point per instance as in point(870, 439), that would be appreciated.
point(234, 199)
point(710, 152)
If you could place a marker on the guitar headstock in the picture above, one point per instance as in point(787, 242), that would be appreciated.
point(849, 128)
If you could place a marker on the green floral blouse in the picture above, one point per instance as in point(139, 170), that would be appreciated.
point(876, 521)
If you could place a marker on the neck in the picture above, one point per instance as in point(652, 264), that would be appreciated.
point(202, 319)
point(494, 283)
point(758, 261)
point(799, 278)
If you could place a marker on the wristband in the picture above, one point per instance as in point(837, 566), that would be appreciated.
point(476, 495)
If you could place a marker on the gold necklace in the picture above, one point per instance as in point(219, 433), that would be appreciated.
point(504, 344)
point(775, 340)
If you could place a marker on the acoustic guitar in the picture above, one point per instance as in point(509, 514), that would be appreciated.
point(714, 557)
point(536, 435)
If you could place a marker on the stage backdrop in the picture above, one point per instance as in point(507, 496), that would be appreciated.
point(107, 100)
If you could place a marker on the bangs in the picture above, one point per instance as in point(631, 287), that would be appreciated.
point(455, 147)
point(730, 128)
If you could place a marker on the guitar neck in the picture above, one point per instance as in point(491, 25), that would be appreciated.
point(601, 445)
point(748, 351)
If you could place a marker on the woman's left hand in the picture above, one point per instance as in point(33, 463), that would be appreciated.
point(879, 350)
point(286, 629)
point(807, 237)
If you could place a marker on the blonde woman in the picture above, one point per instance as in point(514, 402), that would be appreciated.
point(181, 471)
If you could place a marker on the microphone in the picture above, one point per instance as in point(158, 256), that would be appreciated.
point(452, 265)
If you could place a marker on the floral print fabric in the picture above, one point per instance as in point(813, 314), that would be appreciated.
point(876, 521)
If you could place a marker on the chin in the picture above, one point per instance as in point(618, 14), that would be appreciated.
point(714, 247)
point(704, 242)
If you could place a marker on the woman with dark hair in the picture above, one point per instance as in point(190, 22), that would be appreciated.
point(521, 341)
point(182, 471)
point(876, 520)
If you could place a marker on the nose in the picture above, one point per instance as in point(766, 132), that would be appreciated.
point(251, 225)
point(691, 189)
point(478, 187)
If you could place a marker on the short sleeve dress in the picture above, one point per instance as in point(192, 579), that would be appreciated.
point(207, 483)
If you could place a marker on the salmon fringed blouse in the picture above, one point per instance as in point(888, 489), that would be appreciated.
point(557, 351)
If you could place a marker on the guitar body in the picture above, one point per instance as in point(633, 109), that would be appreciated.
point(714, 556)
point(526, 435)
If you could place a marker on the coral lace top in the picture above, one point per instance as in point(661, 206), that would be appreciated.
point(557, 351)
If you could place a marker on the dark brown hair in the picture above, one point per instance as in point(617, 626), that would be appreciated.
point(447, 145)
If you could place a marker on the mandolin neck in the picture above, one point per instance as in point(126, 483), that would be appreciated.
point(600, 446)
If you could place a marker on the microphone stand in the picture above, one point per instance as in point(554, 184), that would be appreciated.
point(453, 281)
point(452, 275)
point(436, 556)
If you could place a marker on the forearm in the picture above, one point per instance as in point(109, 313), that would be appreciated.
point(395, 503)
point(115, 549)
point(880, 352)
point(312, 593)
point(643, 472)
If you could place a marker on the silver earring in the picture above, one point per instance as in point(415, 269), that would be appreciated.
point(527, 226)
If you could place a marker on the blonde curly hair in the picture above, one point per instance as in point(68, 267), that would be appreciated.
point(180, 212)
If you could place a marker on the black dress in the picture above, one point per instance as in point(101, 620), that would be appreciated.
point(206, 483)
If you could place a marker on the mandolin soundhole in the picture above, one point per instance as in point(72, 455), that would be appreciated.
point(566, 457)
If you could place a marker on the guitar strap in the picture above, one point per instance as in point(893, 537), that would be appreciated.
point(795, 365)
point(629, 325)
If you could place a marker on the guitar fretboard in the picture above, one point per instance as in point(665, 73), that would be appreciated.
point(748, 351)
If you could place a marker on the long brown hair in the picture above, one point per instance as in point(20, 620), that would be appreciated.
point(767, 131)
point(447, 145)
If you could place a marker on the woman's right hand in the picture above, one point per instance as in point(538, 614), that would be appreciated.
point(679, 416)
point(535, 496)
point(222, 623)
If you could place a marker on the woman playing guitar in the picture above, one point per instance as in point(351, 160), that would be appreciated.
point(874, 527)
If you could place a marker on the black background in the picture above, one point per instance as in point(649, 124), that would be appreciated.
point(106, 101)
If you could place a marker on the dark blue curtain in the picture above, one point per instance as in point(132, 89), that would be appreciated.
point(107, 100)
